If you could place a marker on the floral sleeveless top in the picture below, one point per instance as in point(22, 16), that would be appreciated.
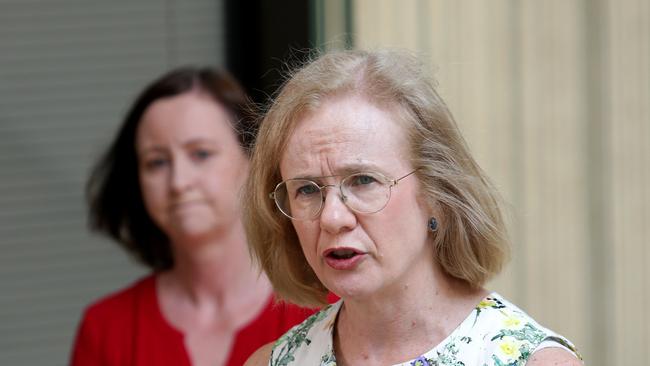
point(496, 333)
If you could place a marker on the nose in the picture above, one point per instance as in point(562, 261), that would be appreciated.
point(182, 175)
point(335, 216)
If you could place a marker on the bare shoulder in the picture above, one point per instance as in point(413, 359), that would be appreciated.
point(553, 356)
point(261, 356)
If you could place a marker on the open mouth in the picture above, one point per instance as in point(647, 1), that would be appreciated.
point(342, 253)
point(343, 258)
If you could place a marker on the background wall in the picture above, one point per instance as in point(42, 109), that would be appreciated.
point(554, 100)
point(68, 70)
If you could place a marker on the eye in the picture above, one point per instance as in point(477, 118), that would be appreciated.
point(155, 163)
point(307, 189)
point(201, 154)
point(362, 179)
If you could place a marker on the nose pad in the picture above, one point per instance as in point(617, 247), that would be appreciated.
point(339, 194)
point(337, 216)
point(326, 202)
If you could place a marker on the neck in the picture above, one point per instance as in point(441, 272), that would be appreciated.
point(216, 270)
point(405, 322)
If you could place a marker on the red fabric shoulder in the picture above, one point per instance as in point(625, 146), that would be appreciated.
point(127, 328)
point(115, 329)
point(98, 340)
point(275, 320)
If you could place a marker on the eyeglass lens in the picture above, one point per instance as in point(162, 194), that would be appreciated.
point(361, 192)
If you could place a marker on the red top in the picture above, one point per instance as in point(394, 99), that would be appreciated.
point(127, 328)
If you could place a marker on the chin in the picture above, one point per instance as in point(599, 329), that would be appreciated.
point(194, 232)
point(350, 289)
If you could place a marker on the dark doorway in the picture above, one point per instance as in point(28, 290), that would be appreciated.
point(261, 35)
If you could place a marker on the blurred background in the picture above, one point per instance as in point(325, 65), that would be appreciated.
point(552, 96)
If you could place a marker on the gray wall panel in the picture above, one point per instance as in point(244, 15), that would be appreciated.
point(68, 70)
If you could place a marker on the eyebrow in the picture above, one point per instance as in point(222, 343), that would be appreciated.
point(190, 142)
point(346, 170)
point(151, 150)
point(200, 141)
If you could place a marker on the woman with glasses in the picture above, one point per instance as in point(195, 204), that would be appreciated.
point(362, 185)
point(167, 190)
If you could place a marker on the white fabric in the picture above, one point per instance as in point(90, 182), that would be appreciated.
point(495, 333)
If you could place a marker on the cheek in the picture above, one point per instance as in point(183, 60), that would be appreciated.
point(226, 177)
point(224, 190)
point(307, 233)
point(404, 214)
point(153, 195)
point(147, 188)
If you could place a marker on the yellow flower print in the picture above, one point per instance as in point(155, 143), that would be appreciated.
point(511, 321)
point(509, 349)
point(486, 303)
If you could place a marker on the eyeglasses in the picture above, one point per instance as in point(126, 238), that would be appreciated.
point(364, 192)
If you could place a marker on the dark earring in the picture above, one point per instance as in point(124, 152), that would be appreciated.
point(433, 224)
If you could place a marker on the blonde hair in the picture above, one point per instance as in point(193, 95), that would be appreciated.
point(471, 242)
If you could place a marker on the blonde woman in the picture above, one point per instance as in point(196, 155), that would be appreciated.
point(362, 185)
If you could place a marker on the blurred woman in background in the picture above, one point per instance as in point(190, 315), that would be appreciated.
point(168, 191)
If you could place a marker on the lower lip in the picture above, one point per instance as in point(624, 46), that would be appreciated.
point(186, 206)
point(181, 205)
point(344, 264)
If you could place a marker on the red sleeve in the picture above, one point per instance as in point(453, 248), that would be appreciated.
point(86, 346)
point(127, 328)
point(105, 335)
point(274, 321)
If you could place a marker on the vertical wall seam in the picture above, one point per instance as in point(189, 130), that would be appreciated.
point(517, 159)
point(601, 315)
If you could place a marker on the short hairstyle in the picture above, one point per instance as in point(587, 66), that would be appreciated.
point(116, 208)
point(471, 242)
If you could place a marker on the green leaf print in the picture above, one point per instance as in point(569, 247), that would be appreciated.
point(328, 359)
point(498, 362)
point(528, 333)
point(293, 339)
point(448, 356)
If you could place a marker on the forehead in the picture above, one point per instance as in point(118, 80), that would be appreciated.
point(182, 117)
point(345, 134)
